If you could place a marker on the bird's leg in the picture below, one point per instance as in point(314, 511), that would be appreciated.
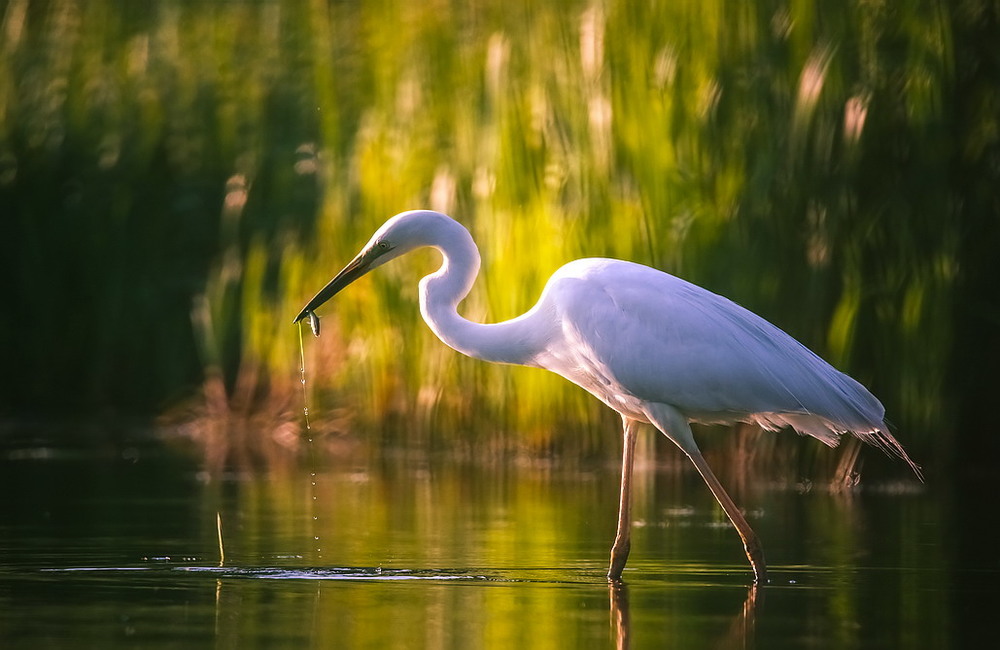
point(751, 544)
point(623, 543)
point(675, 426)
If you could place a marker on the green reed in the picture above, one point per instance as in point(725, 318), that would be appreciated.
point(234, 155)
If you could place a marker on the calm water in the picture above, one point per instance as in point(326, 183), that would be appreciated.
point(119, 546)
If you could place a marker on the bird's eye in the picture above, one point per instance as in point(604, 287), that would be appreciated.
point(384, 245)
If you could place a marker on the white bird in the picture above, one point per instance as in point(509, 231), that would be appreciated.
point(653, 347)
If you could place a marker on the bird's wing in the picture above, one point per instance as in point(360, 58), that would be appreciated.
point(662, 339)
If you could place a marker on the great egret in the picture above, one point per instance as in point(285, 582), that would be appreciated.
point(651, 346)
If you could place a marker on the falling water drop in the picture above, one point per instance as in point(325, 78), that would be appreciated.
point(314, 323)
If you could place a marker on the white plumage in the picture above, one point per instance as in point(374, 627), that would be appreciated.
point(652, 346)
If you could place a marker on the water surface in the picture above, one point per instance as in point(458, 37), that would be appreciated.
point(120, 547)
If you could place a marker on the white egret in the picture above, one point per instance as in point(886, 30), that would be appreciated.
point(653, 347)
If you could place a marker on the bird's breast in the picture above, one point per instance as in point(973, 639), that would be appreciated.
point(576, 364)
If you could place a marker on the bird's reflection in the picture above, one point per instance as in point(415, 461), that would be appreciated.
point(620, 620)
point(740, 633)
point(741, 629)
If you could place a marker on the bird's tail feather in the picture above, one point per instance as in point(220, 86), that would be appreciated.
point(885, 441)
point(829, 433)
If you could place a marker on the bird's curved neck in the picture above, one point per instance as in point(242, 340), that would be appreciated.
point(440, 293)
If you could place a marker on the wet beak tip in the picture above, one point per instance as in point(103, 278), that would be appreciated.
point(358, 267)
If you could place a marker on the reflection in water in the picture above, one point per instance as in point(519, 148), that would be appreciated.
point(453, 555)
point(740, 633)
point(236, 607)
point(218, 599)
point(620, 618)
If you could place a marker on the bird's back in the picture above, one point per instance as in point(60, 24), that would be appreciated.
point(630, 332)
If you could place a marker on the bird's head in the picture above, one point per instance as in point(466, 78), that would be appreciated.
point(399, 235)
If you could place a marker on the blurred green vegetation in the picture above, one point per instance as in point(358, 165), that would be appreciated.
point(178, 177)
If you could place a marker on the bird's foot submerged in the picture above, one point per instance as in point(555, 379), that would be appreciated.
point(619, 555)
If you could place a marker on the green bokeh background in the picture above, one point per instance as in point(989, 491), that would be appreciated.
point(177, 178)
